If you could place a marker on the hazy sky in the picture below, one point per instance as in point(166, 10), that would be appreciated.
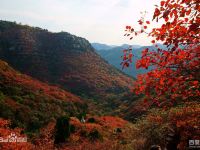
point(96, 20)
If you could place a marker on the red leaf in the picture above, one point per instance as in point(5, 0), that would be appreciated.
point(148, 22)
point(186, 19)
point(188, 12)
point(162, 3)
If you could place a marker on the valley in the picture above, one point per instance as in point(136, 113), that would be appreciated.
point(62, 92)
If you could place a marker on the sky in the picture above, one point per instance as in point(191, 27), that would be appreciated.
point(101, 21)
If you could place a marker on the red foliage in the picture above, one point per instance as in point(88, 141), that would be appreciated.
point(177, 68)
point(113, 122)
point(46, 138)
point(34, 85)
point(5, 131)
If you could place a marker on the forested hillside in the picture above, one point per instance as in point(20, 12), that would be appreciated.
point(62, 59)
point(31, 104)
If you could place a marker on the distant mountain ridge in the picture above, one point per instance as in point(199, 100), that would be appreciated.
point(113, 56)
point(99, 46)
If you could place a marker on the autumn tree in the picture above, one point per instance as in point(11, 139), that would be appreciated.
point(176, 69)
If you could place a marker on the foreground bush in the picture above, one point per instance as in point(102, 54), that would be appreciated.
point(171, 129)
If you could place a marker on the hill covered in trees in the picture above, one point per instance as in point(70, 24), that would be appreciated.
point(31, 104)
point(62, 59)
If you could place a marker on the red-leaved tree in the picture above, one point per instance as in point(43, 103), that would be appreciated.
point(176, 69)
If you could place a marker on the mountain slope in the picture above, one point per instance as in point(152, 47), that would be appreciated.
point(31, 104)
point(61, 59)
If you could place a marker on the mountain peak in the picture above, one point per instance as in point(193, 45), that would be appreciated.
point(56, 41)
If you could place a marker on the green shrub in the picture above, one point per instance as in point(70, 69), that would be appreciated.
point(118, 130)
point(30, 96)
point(6, 111)
point(18, 99)
point(83, 133)
point(94, 135)
point(91, 120)
point(72, 128)
point(153, 128)
point(62, 129)
point(34, 124)
point(13, 91)
point(2, 96)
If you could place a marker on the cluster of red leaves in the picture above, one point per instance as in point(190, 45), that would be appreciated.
point(127, 57)
point(182, 19)
point(5, 131)
point(176, 69)
point(143, 24)
point(46, 138)
point(176, 75)
point(113, 122)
